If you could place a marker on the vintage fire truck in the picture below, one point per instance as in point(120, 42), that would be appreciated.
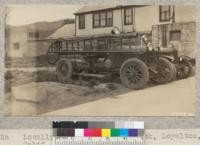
point(129, 56)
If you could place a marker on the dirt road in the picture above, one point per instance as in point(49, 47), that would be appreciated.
point(31, 69)
point(173, 99)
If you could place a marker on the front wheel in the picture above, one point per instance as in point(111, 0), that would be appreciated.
point(134, 73)
point(164, 71)
point(184, 69)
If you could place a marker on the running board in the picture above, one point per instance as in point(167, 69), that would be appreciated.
point(90, 75)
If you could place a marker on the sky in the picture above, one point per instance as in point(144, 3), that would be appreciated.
point(22, 14)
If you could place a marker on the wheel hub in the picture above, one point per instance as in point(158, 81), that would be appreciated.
point(64, 69)
point(133, 74)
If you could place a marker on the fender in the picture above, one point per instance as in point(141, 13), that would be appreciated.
point(184, 57)
point(170, 58)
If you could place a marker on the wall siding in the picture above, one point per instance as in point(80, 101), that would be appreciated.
point(27, 49)
point(16, 36)
point(185, 13)
point(118, 21)
point(187, 44)
point(145, 17)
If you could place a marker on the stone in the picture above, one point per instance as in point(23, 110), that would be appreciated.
point(32, 92)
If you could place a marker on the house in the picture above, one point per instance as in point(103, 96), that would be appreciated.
point(21, 41)
point(101, 19)
point(177, 27)
point(166, 24)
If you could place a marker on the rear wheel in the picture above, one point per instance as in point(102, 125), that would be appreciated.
point(134, 73)
point(164, 71)
point(64, 70)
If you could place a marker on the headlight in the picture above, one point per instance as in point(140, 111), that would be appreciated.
point(150, 48)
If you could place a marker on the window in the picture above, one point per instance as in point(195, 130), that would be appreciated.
point(109, 19)
point(175, 35)
point(128, 16)
point(57, 46)
point(87, 44)
point(82, 21)
point(164, 13)
point(103, 19)
point(16, 46)
point(101, 44)
point(33, 35)
point(81, 45)
point(69, 46)
point(115, 44)
point(75, 46)
point(96, 20)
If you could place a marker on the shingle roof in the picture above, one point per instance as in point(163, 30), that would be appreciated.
point(92, 8)
point(66, 31)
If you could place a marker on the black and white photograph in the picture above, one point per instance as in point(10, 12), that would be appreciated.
point(100, 60)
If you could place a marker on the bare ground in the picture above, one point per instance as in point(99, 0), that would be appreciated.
point(78, 93)
point(172, 99)
point(59, 95)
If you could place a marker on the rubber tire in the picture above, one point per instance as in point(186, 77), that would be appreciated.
point(171, 70)
point(188, 64)
point(143, 68)
point(174, 73)
point(64, 78)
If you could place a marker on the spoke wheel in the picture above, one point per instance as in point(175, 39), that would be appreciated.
point(134, 73)
point(164, 71)
point(64, 70)
point(184, 69)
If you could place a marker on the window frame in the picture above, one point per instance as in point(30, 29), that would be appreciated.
point(81, 25)
point(102, 44)
point(161, 11)
point(125, 16)
point(97, 16)
point(109, 18)
point(33, 35)
point(103, 19)
point(175, 32)
point(16, 46)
